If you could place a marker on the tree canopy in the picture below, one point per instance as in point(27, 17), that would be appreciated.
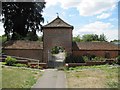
point(22, 19)
point(77, 39)
point(90, 37)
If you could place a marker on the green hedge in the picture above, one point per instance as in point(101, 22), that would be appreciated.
point(82, 59)
point(10, 61)
point(118, 60)
point(74, 59)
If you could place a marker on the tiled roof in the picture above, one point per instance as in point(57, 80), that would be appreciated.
point(21, 44)
point(94, 46)
point(58, 22)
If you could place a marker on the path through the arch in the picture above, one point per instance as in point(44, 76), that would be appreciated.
point(52, 78)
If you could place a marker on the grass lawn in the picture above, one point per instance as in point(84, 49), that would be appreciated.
point(16, 77)
point(102, 76)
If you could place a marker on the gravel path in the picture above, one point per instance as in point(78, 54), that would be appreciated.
point(52, 78)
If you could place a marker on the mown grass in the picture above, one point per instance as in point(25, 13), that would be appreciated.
point(101, 76)
point(14, 77)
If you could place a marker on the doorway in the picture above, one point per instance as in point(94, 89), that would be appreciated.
point(56, 57)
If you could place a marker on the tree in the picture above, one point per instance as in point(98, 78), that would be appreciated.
point(115, 40)
point(102, 38)
point(40, 38)
point(94, 37)
point(19, 18)
point(88, 37)
point(76, 39)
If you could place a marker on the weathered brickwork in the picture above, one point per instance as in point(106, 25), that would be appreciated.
point(57, 37)
point(98, 53)
point(27, 53)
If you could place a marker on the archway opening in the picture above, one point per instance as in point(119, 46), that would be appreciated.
point(57, 57)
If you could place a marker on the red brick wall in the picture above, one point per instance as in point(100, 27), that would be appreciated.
point(26, 53)
point(112, 54)
point(57, 37)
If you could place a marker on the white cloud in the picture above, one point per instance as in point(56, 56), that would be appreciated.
point(51, 3)
point(98, 28)
point(104, 15)
point(94, 7)
point(64, 3)
point(113, 19)
point(85, 7)
point(1, 29)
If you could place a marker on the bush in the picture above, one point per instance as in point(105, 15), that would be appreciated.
point(85, 58)
point(93, 58)
point(74, 59)
point(98, 59)
point(20, 65)
point(55, 50)
point(10, 61)
point(118, 60)
point(31, 36)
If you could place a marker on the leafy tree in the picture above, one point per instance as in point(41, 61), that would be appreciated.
point(31, 36)
point(40, 38)
point(102, 38)
point(76, 39)
point(19, 18)
point(94, 37)
point(115, 40)
point(88, 37)
point(55, 50)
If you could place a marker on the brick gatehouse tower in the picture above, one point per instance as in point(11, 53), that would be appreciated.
point(57, 33)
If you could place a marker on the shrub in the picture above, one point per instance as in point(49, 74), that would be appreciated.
point(85, 58)
point(10, 61)
point(93, 58)
point(20, 65)
point(74, 59)
point(55, 50)
point(98, 59)
point(118, 59)
point(31, 36)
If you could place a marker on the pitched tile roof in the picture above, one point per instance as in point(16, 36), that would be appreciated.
point(58, 22)
point(94, 46)
point(21, 44)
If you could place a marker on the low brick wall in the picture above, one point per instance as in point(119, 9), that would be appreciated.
point(90, 63)
point(22, 61)
point(26, 53)
point(110, 61)
point(98, 53)
point(42, 65)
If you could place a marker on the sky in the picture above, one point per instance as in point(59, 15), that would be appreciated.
point(87, 16)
